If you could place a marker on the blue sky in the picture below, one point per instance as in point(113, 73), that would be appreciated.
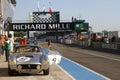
point(100, 14)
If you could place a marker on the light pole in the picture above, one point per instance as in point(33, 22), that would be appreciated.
point(90, 36)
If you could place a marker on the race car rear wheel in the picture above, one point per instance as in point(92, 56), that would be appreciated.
point(46, 72)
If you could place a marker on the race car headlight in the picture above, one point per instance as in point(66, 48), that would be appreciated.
point(38, 67)
point(11, 62)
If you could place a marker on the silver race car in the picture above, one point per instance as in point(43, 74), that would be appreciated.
point(28, 59)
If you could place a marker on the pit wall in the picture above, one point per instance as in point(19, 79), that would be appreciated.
point(114, 45)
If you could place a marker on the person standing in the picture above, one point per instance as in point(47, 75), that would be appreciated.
point(49, 43)
point(7, 49)
point(23, 41)
point(2, 42)
point(2, 45)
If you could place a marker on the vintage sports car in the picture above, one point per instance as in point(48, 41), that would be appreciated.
point(28, 59)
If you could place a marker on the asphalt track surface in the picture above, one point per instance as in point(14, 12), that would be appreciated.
point(102, 61)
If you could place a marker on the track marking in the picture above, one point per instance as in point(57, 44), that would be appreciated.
point(66, 72)
point(82, 73)
point(106, 78)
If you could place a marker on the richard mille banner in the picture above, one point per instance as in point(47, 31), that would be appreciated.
point(40, 26)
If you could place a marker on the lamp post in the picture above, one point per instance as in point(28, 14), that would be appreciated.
point(90, 36)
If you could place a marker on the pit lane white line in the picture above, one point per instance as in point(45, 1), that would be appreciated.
point(96, 55)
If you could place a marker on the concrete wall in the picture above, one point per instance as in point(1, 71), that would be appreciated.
point(94, 44)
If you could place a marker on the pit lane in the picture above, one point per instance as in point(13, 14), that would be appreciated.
point(79, 56)
point(64, 69)
point(101, 61)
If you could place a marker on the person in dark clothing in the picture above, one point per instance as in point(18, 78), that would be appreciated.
point(49, 43)
point(7, 49)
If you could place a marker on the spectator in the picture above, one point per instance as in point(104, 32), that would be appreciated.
point(49, 43)
point(7, 49)
point(23, 41)
point(2, 45)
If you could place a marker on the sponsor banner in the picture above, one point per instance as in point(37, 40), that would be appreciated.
point(41, 26)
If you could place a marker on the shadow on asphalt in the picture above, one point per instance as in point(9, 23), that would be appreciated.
point(111, 51)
